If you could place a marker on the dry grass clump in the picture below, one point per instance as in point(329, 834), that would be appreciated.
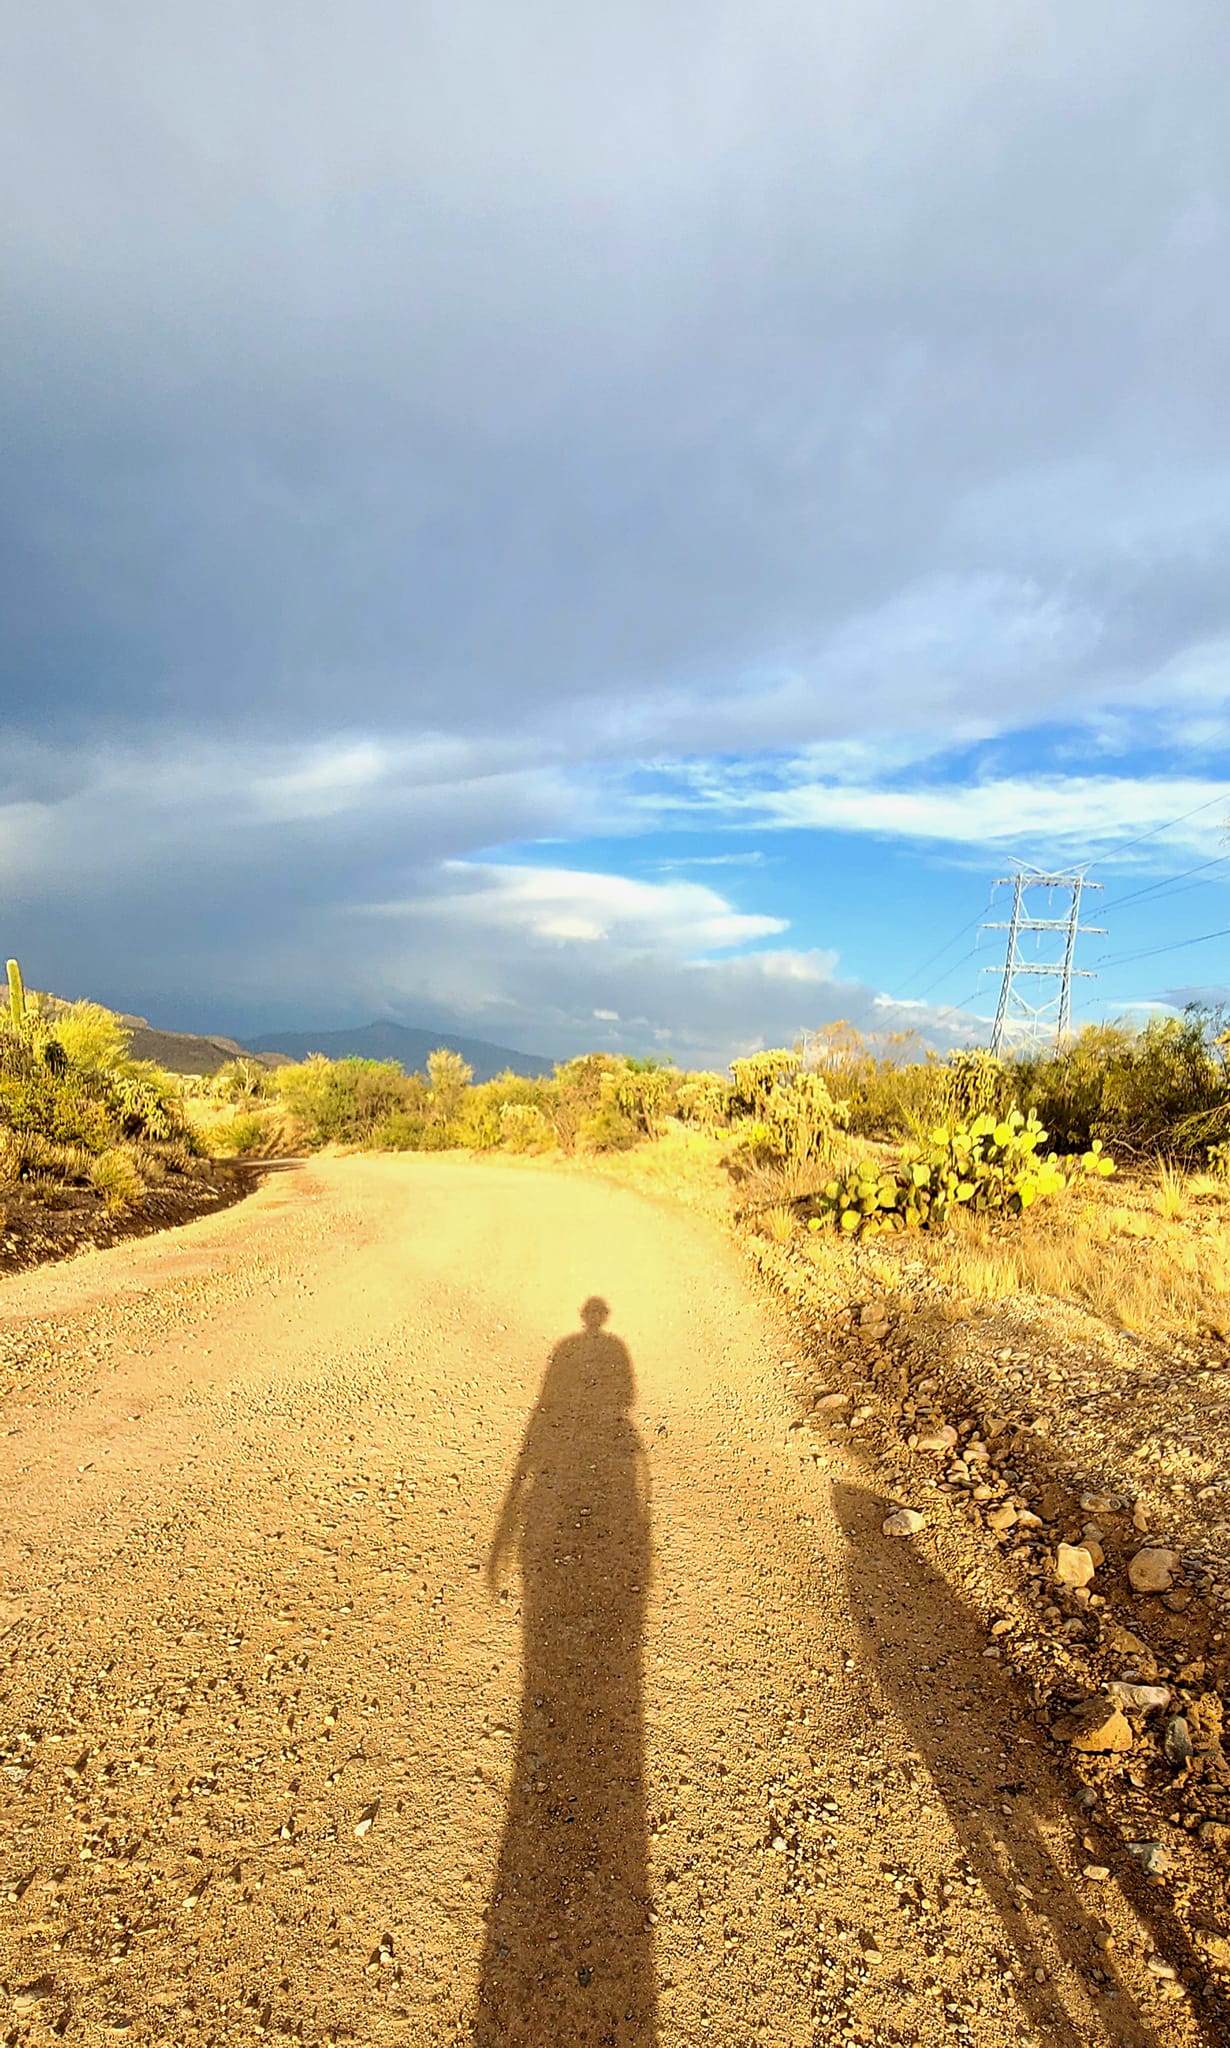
point(1158, 1264)
point(117, 1179)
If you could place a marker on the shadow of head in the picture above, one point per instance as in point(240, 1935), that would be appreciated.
point(594, 1313)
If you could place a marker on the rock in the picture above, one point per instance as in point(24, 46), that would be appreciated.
point(903, 1522)
point(1138, 1699)
point(1097, 1726)
point(1100, 1503)
point(1141, 1517)
point(938, 1439)
point(828, 1404)
point(1097, 1873)
point(1152, 1571)
point(1152, 1857)
point(1002, 1519)
point(1026, 1519)
point(1073, 1565)
point(1177, 1742)
point(1215, 1945)
point(1136, 1655)
point(1091, 1541)
point(1051, 1505)
point(1205, 1718)
point(1214, 1833)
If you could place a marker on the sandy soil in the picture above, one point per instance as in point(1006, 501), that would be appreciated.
point(420, 1624)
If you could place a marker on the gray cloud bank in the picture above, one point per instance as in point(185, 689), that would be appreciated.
point(524, 392)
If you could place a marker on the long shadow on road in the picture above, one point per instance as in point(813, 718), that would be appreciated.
point(568, 1955)
point(990, 1767)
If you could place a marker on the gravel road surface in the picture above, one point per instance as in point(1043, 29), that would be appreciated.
point(419, 1626)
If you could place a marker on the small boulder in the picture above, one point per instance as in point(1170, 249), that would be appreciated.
point(1073, 1565)
point(1152, 1571)
point(1097, 1725)
point(1177, 1742)
point(1153, 1858)
point(903, 1522)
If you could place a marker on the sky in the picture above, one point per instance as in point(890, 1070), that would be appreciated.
point(612, 527)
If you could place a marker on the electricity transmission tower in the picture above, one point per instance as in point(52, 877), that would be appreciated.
point(1035, 1022)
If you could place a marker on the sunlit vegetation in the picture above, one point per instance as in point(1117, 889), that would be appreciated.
point(79, 1118)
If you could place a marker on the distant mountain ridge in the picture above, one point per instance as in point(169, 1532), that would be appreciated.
point(388, 1041)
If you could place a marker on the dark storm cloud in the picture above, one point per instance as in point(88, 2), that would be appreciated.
point(564, 387)
point(422, 368)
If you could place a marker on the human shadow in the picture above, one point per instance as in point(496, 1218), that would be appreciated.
point(1001, 1797)
point(568, 1954)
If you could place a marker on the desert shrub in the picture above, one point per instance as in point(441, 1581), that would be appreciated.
point(524, 1127)
point(991, 1166)
point(448, 1078)
point(148, 1103)
point(114, 1174)
point(977, 1083)
point(1165, 1089)
point(242, 1081)
point(576, 1095)
point(92, 1039)
point(789, 1113)
point(704, 1100)
point(243, 1136)
point(480, 1123)
point(343, 1101)
point(62, 1107)
point(646, 1093)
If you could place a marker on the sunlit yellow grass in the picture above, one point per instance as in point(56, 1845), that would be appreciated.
point(1164, 1267)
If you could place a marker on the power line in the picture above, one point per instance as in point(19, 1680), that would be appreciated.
point(1168, 882)
point(947, 971)
point(1154, 952)
point(1167, 825)
point(941, 950)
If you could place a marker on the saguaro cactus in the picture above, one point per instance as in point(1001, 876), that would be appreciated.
point(17, 998)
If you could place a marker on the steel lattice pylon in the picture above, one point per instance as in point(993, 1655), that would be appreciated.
point(1052, 1018)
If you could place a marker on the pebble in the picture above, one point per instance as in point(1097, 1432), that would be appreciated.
point(1177, 1742)
point(1152, 1857)
point(828, 1404)
point(1073, 1565)
point(1139, 1699)
point(1002, 1519)
point(1097, 1873)
point(938, 1439)
point(903, 1522)
point(1152, 1571)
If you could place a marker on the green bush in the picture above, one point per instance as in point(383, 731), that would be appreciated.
point(1164, 1090)
point(341, 1102)
point(242, 1136)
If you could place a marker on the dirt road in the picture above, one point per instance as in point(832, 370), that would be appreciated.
point(419, 1626)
